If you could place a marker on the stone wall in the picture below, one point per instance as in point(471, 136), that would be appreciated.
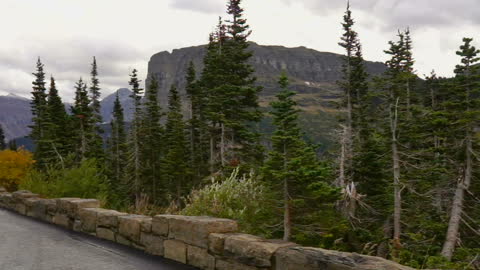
point(203, 242)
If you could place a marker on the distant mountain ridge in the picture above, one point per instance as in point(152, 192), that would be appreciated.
point(16, 116)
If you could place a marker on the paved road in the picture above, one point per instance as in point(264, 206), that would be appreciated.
point(27, 244)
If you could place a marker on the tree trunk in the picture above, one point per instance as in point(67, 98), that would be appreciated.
point(397, 205)
point(287, 219)
point(222, 145)
point(343, 156)
point(457, 206)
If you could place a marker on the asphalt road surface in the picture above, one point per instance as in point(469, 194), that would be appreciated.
point(28, 244)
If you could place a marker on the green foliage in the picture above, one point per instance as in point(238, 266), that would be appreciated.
point(83, 181)
point(243, 198)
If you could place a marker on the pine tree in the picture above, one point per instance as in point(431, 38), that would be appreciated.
point(151, 146)
point(94, 136)
point(197, 125)
point(12, 145)
point(292, 167)
point(40, 117)
point(118, 151)
point(135, 168)
point(3, 144)
point(176, 158)
point(58, 118)
point(354, 129)
point(229, 84)
point(463, 105)
point(81, 112)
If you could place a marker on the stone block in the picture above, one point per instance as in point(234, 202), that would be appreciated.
point(307, 258)
point(20, 208)
point(146, 225)
point(153, 244)
point(6, 199)
point(195, 230)
point(77, 225)
point(38, 209)
point(88, 217)
point(253, 250)
point(76, 205)
point(2, 190)
point(64, 206)
point(62, 220)
point(160, 224)
point(21, 195)
point(106, 234)
point(216, 242)
point(109, 218)
point(200, 258)
point(129, 226)
point(175, 250)
point(122, 240)
point(29, 205)
point(221, 264)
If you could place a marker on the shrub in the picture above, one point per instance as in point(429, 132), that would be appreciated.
point(14, 166)
point(243, 199)
point(85, 180)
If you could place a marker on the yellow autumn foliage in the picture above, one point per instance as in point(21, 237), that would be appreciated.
point(14, 166)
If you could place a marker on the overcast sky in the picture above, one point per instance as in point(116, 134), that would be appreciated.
point(123, 34)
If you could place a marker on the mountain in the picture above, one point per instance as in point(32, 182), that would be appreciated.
point(313, 75)
point(16, 116)
point(125, 100)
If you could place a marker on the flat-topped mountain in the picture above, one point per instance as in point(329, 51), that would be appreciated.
point(313, 74)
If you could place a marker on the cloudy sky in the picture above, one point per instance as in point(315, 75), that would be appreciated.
point(123, 34)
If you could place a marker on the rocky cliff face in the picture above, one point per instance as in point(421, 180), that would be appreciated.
point(313, 74)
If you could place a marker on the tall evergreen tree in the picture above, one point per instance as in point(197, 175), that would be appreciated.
point(58, 118)
point(152, 137)
point(354, 129)
point(176, 167)
point(292, 168)
point(135, 157)
point(81, 112)
point(3, 144)
point(40, 117)
point(197, 125)
point(463, 105)
point(118, 151)
point(94, 136)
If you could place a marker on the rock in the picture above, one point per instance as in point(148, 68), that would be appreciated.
point(122, 240)
point(75, 205)
point(30, 204)
point(20, 195)
point(2, 190)
point(129, 226)
point(146, 225)
point(307, 258)
point(21, 208)
point(195, 230)
point(153, 244)
point(160, 224)
point(62, 220)
point(109, 218)
point(88, 217)
point(200, 258)
point(216, 242)
point(64, 206)
point(77, 225)
point(253, 250)
point(106, 234)
point(175, 250)
point(221, 264)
